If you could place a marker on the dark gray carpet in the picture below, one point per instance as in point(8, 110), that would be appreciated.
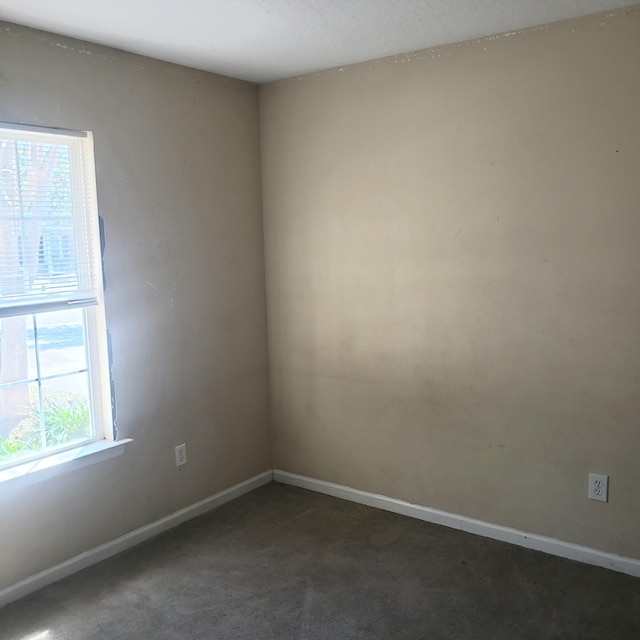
point(291, 564)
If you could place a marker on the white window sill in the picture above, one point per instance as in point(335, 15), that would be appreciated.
point(45, 468)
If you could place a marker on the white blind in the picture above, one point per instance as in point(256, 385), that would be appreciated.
point(49, 242)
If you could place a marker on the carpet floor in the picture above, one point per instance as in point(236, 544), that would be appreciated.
point(288, 564)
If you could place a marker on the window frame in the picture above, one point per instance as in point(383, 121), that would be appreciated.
point(82, 166)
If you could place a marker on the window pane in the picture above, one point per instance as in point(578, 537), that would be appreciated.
point(66, 408)
point(17, 350)
point(61, 342)
point(20, 431)
point(37, 215)
point(50, 248)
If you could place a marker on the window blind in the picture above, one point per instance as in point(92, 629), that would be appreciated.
point(49, 244)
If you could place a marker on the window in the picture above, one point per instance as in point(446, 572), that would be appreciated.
point(54, 374)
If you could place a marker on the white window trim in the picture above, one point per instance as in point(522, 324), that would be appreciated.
point(62, 462)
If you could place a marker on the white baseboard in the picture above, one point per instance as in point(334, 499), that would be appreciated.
point(128, 540)
point(552, 546)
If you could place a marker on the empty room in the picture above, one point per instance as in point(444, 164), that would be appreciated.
point(320, 319)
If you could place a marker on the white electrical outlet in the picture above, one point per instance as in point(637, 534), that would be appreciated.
point(181, 455)
point(598, 487)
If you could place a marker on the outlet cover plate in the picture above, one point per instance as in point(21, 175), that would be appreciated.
point(181, 455)
point(598, 487)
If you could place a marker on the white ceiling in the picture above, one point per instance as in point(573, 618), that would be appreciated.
point(263, 40)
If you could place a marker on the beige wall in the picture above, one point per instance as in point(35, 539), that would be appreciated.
point(453, 270)
point(177, 155)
